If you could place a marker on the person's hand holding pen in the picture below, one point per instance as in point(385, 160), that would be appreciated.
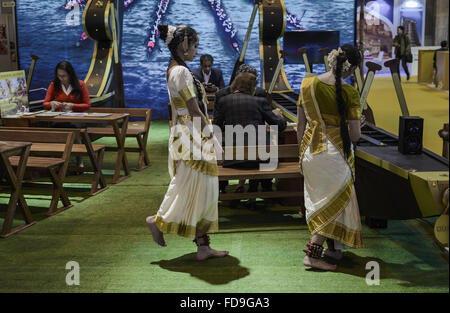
point(55, 105)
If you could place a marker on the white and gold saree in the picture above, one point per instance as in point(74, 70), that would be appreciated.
point(190, 203)
point(330, 199)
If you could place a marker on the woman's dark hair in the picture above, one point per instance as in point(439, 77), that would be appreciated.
point(353, 56)
point(178, 38)
point(73, 78)
point(402, 28)
point(245, 83)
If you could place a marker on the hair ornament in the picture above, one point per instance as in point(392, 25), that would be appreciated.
point(170, 32)
point(332, 60)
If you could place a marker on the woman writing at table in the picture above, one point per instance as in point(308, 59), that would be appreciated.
point(66, 92)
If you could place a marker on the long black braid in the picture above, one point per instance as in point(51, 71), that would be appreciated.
point(178, 38)
point(352, 55)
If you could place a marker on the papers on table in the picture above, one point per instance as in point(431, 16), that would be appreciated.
point(12, 116)
point(77, 114)
point(98, 114)
point(32, 113)
point(49, 113)
point(86, 114)
point(45, 113)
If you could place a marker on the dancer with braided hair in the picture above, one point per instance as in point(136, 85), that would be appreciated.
point(189, 208)
point(329, 118)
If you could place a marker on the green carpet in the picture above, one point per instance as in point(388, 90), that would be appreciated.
point(107, 235)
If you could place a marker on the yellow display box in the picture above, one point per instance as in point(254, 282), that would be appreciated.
point(425, 71)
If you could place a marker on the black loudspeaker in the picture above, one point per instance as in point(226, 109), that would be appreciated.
point(410, 135)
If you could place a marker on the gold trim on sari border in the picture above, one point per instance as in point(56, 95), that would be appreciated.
point(204, 100)
point(178, 102)
point(312, 112)
point(203, 166)
point(306, 141)
point(187, 93)
point(328, 213)
point(184, 230)
point(350, 237)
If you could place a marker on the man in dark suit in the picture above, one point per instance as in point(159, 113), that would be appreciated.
point(210, 77)
point(244, 68)
point(242, 107)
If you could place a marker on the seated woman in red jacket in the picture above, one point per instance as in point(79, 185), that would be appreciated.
point(66, 92)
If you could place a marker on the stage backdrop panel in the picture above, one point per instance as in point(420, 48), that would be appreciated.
point(53, 31)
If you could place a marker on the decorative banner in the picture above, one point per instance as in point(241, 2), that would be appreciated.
point(411, 17)
point(13, 95)
point(378, 29)
point(221, 26)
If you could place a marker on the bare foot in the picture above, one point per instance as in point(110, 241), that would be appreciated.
point(157, 235)
point(205, 252)
point(336, 254)
point(318, 263)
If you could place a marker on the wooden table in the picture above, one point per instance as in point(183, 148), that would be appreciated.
point(7, 149)
point(113, 120)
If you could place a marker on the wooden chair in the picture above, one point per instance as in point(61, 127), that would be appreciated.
point(56, 167)
point(141, 134)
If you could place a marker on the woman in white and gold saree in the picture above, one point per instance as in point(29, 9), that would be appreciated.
point(189, 208)
point(329, 117)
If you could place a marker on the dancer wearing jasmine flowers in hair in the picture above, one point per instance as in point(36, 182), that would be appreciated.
point(329, 117)
point(189, 208)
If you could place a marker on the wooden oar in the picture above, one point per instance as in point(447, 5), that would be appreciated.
point(373, 67)
point(240, 60)
point(360, 84)
point(393, 66)
point(302, 52)
point(359, 80)
point(324, 52)
point(34, 58)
